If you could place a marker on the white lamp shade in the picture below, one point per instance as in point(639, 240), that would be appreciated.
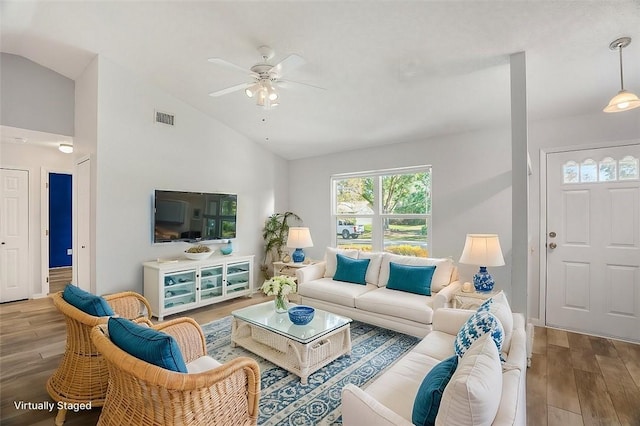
point(623, 101)
point(482, 250)
point(299, 237)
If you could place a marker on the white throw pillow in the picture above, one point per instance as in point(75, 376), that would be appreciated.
point(473, 394)
point(499, 306)
point(441, 276)
point(332, 262)
point(373, 271)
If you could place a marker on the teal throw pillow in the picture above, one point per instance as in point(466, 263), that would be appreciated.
point(478, 324)
point(410, 278)
point(87, 302)
point(427, 402)
point(147, 344)
point(351, 270)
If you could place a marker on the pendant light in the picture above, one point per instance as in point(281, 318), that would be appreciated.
point(624, 100)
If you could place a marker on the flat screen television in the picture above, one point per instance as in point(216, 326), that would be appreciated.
point(193, 216)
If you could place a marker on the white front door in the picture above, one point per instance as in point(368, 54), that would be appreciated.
point(593, 241)
point(14, 235)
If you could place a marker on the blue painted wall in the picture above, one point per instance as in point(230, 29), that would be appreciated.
point(59, 220)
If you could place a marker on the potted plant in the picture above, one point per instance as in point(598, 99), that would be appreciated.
point(276, 229)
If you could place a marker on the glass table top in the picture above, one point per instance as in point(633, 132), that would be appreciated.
point(264, 315)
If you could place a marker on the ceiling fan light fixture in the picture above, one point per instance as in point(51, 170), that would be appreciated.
point(251, 90)
point(261, 96)
point(624, 100)
point(271, 91)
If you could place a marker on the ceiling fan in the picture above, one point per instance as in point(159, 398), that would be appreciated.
point(266, 78)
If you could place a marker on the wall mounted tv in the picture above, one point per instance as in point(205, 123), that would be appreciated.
point(193, 216)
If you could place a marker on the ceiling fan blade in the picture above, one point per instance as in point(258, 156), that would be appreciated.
point(230, 89)
point(289, 83)
point(227, 64)
point(287, 64)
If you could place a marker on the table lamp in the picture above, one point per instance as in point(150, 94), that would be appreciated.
point(482, 250)
point(298, 239)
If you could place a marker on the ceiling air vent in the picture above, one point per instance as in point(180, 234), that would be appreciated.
point(165, 118)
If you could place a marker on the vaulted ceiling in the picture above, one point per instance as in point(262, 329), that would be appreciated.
point(394, 71)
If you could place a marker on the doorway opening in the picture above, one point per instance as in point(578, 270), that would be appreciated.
point(60, 231)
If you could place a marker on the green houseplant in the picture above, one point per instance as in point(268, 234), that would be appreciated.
point(275, 232)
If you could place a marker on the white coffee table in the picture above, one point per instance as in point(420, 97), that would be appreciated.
point(300, 349)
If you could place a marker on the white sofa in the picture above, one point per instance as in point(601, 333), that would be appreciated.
point(373, 303)
point(389, 399)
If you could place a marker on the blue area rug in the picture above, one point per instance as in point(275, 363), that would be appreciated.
point(284, 401)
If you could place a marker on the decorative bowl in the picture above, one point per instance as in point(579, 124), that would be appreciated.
point(198, 256)
point(226, 250)
point(301, 314)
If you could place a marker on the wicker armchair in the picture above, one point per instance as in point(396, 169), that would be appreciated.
point(82, 376)
point(146, 394)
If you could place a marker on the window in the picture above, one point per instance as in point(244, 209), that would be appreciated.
point(629, 168)
point(386, 210)
point(606, 170)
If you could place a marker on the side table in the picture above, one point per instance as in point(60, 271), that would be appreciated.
point(289, 268)
point(470, 300)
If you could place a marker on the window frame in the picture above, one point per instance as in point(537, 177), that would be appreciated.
point(377, 232)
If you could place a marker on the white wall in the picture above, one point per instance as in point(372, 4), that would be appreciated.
point(34, 159)
point(85, 147)
point(35, 97)
point(471, 190)
point(135, 156)
point(566, 132)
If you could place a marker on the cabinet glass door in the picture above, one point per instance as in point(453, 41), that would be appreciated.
point(179, 288)
point(237, 277)
point(211, 282)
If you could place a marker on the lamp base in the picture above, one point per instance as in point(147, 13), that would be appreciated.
point(483, 281)
point(297, 256)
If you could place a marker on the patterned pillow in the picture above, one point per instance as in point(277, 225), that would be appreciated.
point(499, 306)
point(479, 324)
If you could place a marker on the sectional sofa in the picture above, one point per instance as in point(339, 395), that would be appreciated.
point(482, 390)
point(373, 302)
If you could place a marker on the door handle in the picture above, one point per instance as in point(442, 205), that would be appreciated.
point(552, 245)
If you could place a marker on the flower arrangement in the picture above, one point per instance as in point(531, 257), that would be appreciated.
point(280, 286)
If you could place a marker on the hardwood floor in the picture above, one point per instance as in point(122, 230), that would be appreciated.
point(59, 278)
point(577, 379)
point(574, 379)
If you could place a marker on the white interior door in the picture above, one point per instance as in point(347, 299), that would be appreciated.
point(14, 235)
point(82, 250)
point(593, 241)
